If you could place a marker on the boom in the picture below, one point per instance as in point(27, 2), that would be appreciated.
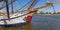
point(32, 4)
point(47, 5)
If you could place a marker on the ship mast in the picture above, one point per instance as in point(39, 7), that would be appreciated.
point(12, 7)
point(7, 8)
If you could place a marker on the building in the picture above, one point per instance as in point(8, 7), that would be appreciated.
point(46, 13)
point(42, 12)
point(58, 12)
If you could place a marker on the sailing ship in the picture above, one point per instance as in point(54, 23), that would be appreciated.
point(20, 18)
point(15, 19)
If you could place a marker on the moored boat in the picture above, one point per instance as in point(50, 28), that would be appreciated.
point(15, 19)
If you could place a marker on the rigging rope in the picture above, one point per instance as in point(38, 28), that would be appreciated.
point(25, 5)
point(8, 4)
point(12, 7)
point(32, 5)
point(3, 4)
point(21, 15)
point(52, 5)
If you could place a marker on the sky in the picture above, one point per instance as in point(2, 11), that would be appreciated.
point(20, 3)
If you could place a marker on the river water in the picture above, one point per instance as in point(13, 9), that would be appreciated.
point(40, 22)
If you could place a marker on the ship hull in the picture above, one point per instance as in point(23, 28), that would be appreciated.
point(14, 25)
point(15, 20)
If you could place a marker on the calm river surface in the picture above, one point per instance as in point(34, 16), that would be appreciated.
point(44, 22)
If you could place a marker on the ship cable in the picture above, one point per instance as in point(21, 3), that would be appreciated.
point(8, 4)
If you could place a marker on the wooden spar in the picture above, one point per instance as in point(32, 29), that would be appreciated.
point(12, 7)
point(32, 4)
point(7, 9)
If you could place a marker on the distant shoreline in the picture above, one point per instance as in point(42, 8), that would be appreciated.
point(45, 14)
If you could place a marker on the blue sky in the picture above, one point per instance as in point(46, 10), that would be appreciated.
point(19, 3)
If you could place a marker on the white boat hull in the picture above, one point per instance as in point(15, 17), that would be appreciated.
point(14, 20)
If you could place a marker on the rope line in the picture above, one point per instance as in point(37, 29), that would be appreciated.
point(25, 5)
point(8, 4)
